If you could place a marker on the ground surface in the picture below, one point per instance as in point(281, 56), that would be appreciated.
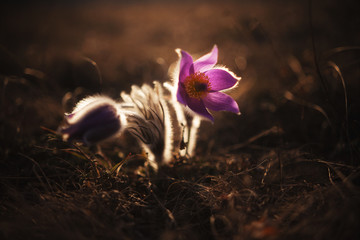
point(287, 168)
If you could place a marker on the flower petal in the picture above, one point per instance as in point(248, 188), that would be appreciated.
point(100, 133)
point(207, 61)
point(186, 65)
point(181, 92)
point(219, 101)
point(220, 79)
point(198, 107)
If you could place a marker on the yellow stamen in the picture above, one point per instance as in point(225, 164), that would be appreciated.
point(197, 85)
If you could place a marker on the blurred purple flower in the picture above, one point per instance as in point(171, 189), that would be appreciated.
point(93, 120)
point(200, 84)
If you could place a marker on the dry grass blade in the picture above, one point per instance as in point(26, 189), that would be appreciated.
point(94, 64)
point(168, 212)
point(90, 159)
point(338, 71)
point(46, 186)
point(346, 103)
point(272, 130)
point(289, 96)
point(343, 49)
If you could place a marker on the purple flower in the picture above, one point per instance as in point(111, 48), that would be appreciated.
point(200, 84)
point(94, 119)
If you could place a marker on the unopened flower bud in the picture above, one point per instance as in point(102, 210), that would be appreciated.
point(94, 119)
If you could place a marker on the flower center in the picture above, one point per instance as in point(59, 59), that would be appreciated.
point(197, 85)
